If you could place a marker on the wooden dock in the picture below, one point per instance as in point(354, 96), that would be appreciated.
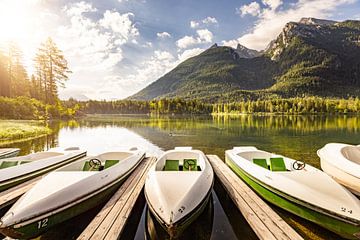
point(264, 221)
point(109, 223)
point(9, 196)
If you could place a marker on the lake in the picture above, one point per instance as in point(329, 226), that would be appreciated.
point(298, 137)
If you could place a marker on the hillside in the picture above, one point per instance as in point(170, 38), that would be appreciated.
point(310, 57)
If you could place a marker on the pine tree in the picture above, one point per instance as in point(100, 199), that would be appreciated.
point(52, 69)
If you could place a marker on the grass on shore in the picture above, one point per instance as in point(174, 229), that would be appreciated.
point(13, 130)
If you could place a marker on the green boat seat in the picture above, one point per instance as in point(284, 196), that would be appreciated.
point(261, 162)
point(110, 163)
point(277, 164)
point(87, 167)
point(6, 164)
point(171, 165)
point(24, 162)
point(190, 165)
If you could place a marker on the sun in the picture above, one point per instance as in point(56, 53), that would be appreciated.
point(21, 24)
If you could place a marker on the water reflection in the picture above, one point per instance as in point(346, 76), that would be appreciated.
point(200, 229)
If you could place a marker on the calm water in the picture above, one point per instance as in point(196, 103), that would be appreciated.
point(295, 136)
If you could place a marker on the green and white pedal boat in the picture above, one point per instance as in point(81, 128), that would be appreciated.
point(68, 192)
point(298, 188)
point(16, 170)
point(178, 188)
point(9, 152)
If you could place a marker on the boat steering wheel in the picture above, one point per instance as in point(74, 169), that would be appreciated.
point(95, 163)
point(190, 164)
point(298, 165)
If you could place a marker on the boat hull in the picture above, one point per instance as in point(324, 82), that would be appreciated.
point(286, 202)
point(176, 229)
point(42, 223)
point(23, 178)
point(347, 180)
point(39, 224)
point(10, 154)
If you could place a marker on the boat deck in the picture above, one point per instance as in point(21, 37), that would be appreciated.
point(264, 221)
point(9, 196)
point(109, 223)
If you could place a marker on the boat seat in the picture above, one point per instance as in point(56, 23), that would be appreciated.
point(261, 162)
point(87, 167)
point(277, 164)
point(6, 164)
point(171, 165)
point(190, 165)
point(24, 162)
point(110, 163)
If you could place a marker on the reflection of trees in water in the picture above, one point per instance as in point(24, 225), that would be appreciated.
point(247, 123)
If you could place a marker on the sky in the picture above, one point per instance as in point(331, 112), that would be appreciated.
point(117, 47)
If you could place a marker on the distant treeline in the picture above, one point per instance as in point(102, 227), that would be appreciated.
point(163, 106)
point(29, 108)
point(306, 105)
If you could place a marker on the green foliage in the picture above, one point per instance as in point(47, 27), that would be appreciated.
point(162, 106)
point(10, 130)
point(30, 108)
point(305, 105)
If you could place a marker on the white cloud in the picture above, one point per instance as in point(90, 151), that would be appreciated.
point(273, 4)
point(272, 19)
point(189, 53)
point(203, 36)
point(94, 47)
point(205, 22)
point(194, 24)
point(186, 41)
point(252, 9)
point(120, 24)
point(79, 8)
point(163, 35)
point(210, 20)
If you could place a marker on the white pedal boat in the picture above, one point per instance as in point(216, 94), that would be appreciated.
point(342, 162)
point(68, 192)
point(9, 152)
point(178, 188)
point(16, 170)
point(298, 188)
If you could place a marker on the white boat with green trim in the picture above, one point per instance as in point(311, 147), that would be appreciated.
point(342, 162)
point(16, 170)
point(68, 192)
point(9, 152)
point(298, 188)
point(178, 188)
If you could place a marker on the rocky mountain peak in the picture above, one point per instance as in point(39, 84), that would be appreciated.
point(244, 52)
point(315, 21)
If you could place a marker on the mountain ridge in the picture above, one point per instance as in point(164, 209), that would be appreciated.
point(310, 57)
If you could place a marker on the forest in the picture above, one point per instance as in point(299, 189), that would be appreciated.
point(36, 96)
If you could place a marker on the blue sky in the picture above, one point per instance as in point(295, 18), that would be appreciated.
point(117, 47)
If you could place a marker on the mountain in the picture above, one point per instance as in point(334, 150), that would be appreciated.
point(244, 52)
point(309, 57)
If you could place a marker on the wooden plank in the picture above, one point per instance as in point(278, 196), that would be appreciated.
point(110, 221)
point(10, 195)
point(265, 213)
point(265, 222)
